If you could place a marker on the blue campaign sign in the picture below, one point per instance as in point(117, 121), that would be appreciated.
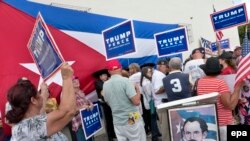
point(224, 44)
point(172, 41)
point(119, 40)
point(230, 17)
point(43, 49)
point(91, 121)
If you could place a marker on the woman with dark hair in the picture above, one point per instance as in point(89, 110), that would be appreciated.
point(147, 90)
point(228, 63)
point(226, 101)
point(27, 113)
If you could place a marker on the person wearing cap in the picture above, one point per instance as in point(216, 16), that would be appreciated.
point(123, 98)
point(227, 62)
point(162, 66)
point(81, 102)
point(226, 101)
point(177, 84)
point(102, 76)
point(160, 97)
point(192, 67)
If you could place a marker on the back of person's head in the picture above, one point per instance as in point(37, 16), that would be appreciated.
point(133, 68)
point(212, 67)
point(175, 63)
point(202, 122)
point(228, 58)
point(19, 97)
point(114, 67)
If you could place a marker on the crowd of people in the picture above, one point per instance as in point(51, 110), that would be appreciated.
point(129, 100)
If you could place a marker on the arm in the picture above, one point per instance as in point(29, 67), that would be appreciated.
point(45, 95)
point(218, 47)
point(160, 91)
point(136, 100)
point(58, 119)
point(230, 100)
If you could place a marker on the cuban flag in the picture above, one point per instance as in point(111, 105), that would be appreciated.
point(79, 39)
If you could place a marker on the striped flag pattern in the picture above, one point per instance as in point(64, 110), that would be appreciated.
point(244, 64)
point(219, 35)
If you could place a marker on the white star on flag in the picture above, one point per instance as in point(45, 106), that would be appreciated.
point(56, 78)
point(178, 128)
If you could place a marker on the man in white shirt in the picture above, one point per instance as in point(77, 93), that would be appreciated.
point(192, 67)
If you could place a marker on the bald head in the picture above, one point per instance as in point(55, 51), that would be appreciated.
point(175, 63)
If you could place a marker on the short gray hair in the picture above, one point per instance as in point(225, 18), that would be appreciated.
point(175, 63)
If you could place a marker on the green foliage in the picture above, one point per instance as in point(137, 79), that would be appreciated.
point(241, 30)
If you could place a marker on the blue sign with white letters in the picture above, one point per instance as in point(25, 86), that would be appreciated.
point(230, 17)
point(224, 44)
point(172, 41)
point(43, 50)
point(119, 40)
point(91, 121)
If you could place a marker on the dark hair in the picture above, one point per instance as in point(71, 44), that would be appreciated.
point(203, 124)
point(144, 71)
point(19, 97)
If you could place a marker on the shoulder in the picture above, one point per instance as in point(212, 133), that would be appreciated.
point(31, 128)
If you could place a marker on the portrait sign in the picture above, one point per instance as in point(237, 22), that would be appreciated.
point(197, 122)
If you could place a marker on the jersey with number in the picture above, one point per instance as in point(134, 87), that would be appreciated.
point(177, 86)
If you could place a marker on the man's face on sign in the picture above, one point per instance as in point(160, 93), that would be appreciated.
point(193, 132)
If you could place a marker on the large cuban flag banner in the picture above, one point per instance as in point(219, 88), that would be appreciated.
point(78, 36)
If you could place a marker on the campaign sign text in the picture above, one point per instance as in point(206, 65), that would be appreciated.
point(172, 41)
point(224, 44)
point(91, 121)
point(230, 17)
point(238, 132)
point(119, 40)
point(43, 50)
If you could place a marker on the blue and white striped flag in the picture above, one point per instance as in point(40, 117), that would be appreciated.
point(206, 43)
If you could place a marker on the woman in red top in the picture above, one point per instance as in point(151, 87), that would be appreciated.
point(226, 60)
point(226, 101)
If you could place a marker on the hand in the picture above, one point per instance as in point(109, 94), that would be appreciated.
point(44, 90)
point(137, 89)
point(66, 71)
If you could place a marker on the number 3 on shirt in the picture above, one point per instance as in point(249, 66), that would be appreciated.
point(177, 85)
